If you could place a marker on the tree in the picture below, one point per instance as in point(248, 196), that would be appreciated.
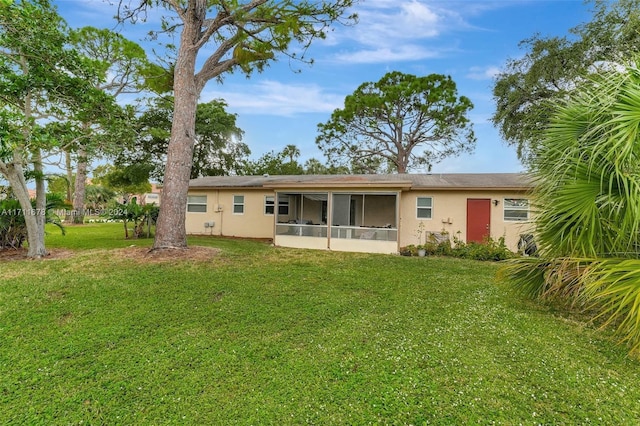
point(275, 163)
point(292, 152)
point(97, 197)
point(313, 166)
point(40, 77)
point(125, 181)
point(122, 66)
point(384, 125)
point(60, 184)
point(140, 215)
point(245, 36)
point(587, 203)
point(153, 129)
point(218, 150)
point(526, 91)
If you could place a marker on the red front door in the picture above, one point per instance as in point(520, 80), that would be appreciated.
point(478, 219)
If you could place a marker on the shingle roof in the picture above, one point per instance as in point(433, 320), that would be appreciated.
point(519, 181)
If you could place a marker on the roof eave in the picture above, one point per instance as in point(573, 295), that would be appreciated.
point(317, 185)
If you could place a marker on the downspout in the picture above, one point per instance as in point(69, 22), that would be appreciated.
point(275, 215)
point(220, 212)
point(329, 218)
point(398, 219)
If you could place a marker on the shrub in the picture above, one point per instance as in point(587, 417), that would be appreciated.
point(13, 229)
point(438, 244)
point(489, 249)
point(410, 250)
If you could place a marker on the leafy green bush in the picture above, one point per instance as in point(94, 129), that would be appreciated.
point(139, 215)
point(440, 245)
point(489, 249)
point(13, 229)
point(437, 244)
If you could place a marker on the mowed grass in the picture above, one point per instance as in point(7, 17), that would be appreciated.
point(264, 335)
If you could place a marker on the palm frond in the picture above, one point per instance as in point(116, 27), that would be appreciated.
point(613, 287)
point(587, 202)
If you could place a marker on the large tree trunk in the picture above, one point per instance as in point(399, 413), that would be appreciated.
point(14, 173)
point(80, 186)
point(69, 169)
point(170, 228)
point(34, 218)
point(41, 207)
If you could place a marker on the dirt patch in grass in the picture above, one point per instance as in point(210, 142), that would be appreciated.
point(139, 254)
point(146, 255)
point(8, 255)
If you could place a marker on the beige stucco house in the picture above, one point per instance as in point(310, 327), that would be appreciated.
point(360, 213)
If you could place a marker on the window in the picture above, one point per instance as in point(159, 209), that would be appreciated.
point(283, 204)
point(238, 204)
point(197, 203)
point(269, 204)
point(424, 207)
point(516, 209)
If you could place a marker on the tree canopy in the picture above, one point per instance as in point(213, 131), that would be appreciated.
point(284, 162)
point(121, 66)
point(399, 123)
point(218, 148)
point(527, 89)
point(41, 78)
point(124, 181)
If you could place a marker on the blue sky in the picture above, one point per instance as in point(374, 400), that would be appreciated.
point(468, 40)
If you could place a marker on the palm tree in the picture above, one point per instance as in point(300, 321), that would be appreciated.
point(587, 198)
point(292, 152)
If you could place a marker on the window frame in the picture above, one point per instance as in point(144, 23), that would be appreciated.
point(516, 208)
point(419, 208)
point(240, 204)
point(283, 205)
point(191, 203)
point(269, 205)
point(283, 201)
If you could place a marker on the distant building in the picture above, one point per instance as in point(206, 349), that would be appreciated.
point(152, 197)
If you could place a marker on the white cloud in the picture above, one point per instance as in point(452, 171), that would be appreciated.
point(384, 23)
point(387, 54)
point(274, 98)
point(391, 30)
point(483, 73)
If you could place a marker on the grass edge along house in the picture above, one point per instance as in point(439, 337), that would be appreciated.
point(361, 213)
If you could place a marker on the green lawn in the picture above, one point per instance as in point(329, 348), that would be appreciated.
point(263, 335)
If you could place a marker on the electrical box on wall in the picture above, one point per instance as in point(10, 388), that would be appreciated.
point(210, 224)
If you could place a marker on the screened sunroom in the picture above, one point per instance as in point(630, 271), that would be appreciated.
point(349, 221)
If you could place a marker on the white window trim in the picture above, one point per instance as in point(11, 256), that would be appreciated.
point(422, 207)
point(198, 204)
point(272, 205)
point(517, 208)
point(234, 204)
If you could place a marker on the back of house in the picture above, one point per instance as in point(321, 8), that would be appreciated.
point(362, 213)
